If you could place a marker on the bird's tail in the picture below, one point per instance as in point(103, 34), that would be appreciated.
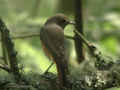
point(63, 71)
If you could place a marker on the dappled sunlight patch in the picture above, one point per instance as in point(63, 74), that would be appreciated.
point(109, 45)
point(33, 59)
point(114, 18)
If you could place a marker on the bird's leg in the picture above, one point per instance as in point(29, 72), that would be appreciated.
point(46, 71)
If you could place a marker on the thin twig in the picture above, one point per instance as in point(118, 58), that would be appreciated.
point(69, 37)
point(46, 71)
point(26, 36)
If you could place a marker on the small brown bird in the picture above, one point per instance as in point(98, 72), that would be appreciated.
point(53, 40)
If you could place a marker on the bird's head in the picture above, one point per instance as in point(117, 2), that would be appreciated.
point(59, 19)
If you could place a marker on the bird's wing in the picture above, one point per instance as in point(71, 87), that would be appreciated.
point(53, 38)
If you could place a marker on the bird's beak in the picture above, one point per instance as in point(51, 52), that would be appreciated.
point(72, 22)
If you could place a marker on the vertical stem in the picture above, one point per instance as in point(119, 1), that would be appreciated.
point(4, 49)
point(35, 8)
point(79, 27)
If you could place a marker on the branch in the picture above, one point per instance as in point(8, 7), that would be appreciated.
point(26, 36)
point(6, 68)
point(93, 49)
point(9, 46)
point(35, 35)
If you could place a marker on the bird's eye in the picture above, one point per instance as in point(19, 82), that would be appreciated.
point(63, 20)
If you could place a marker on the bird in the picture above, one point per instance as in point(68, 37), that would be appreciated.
point(53, 43)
